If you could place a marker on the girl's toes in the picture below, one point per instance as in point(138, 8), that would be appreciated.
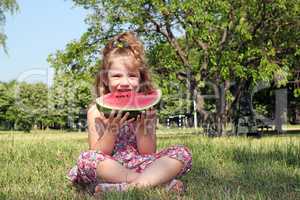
point(176, 186)
point(97, 189)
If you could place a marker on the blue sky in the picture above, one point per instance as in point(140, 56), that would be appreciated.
point(38, 29)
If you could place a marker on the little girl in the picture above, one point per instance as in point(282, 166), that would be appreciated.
point(122, 151)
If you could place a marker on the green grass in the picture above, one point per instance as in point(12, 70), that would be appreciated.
point(34, 166)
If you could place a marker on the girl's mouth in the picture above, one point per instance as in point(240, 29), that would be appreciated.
point(124, 90)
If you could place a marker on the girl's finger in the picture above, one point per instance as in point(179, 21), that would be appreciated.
point(153, 113)
point(143, 115)
point(119, 115)
point(147, 112)
point(111, 116)
point(124, 118)
point(98, 121)
point(102, 115)
point(130, 120)
point(150, 113)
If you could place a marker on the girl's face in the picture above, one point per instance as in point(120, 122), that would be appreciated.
point(123, 75)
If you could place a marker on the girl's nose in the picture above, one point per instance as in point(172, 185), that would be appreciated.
point(124, 83)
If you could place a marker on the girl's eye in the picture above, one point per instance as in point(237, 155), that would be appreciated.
point(116, 75)
point(133, 75)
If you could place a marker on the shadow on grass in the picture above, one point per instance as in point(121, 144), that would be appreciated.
point(271, 172)
point(284, 134)
point(290, 156)
point(245, 172)
point(248, 182)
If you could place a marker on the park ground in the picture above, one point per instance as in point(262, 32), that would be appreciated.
point(34, 166)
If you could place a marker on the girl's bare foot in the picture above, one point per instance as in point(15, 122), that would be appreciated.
point(176, 186)
point(107, 187)
point(98, 189)
point(98, 192)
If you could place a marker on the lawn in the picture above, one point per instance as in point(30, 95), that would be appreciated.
point(34, 166)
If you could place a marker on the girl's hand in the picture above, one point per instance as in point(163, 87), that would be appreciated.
point(113, 123)
point(146, 122)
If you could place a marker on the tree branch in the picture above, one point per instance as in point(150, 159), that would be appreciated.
point(263, 17)
point(168, 34)
point(224, 37)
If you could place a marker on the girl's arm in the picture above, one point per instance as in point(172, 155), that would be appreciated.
point(146, 132)
point(99, 138)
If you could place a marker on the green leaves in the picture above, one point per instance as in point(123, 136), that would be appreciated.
point(297, 92)
point(214, 41)
point(10, 6)
point(23, 105)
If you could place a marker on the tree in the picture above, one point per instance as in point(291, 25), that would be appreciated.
point(10, 6)
point(227, 43)
point(6, 101)
point(24, 105)
point(69, 98)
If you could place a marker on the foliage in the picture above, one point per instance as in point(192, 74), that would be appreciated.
point(10, 6)
point(70, 96)
point(193, 43)
point(23, 105)
point(6, 99)
point(197, 50)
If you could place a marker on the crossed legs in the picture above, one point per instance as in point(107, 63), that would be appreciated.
point(111, 171)
point(160, 171)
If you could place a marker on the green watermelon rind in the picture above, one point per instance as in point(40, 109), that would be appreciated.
point(132, 112)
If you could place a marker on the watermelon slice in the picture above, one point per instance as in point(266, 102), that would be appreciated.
point(131, 102)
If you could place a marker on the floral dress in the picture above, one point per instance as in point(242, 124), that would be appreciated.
point(126, 153)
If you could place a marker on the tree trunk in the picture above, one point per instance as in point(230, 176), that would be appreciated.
point(281, 109)
point(221, 109)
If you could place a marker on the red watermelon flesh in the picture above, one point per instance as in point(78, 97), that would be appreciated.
point(128, 101)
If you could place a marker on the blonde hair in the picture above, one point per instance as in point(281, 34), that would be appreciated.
point(124, 44)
